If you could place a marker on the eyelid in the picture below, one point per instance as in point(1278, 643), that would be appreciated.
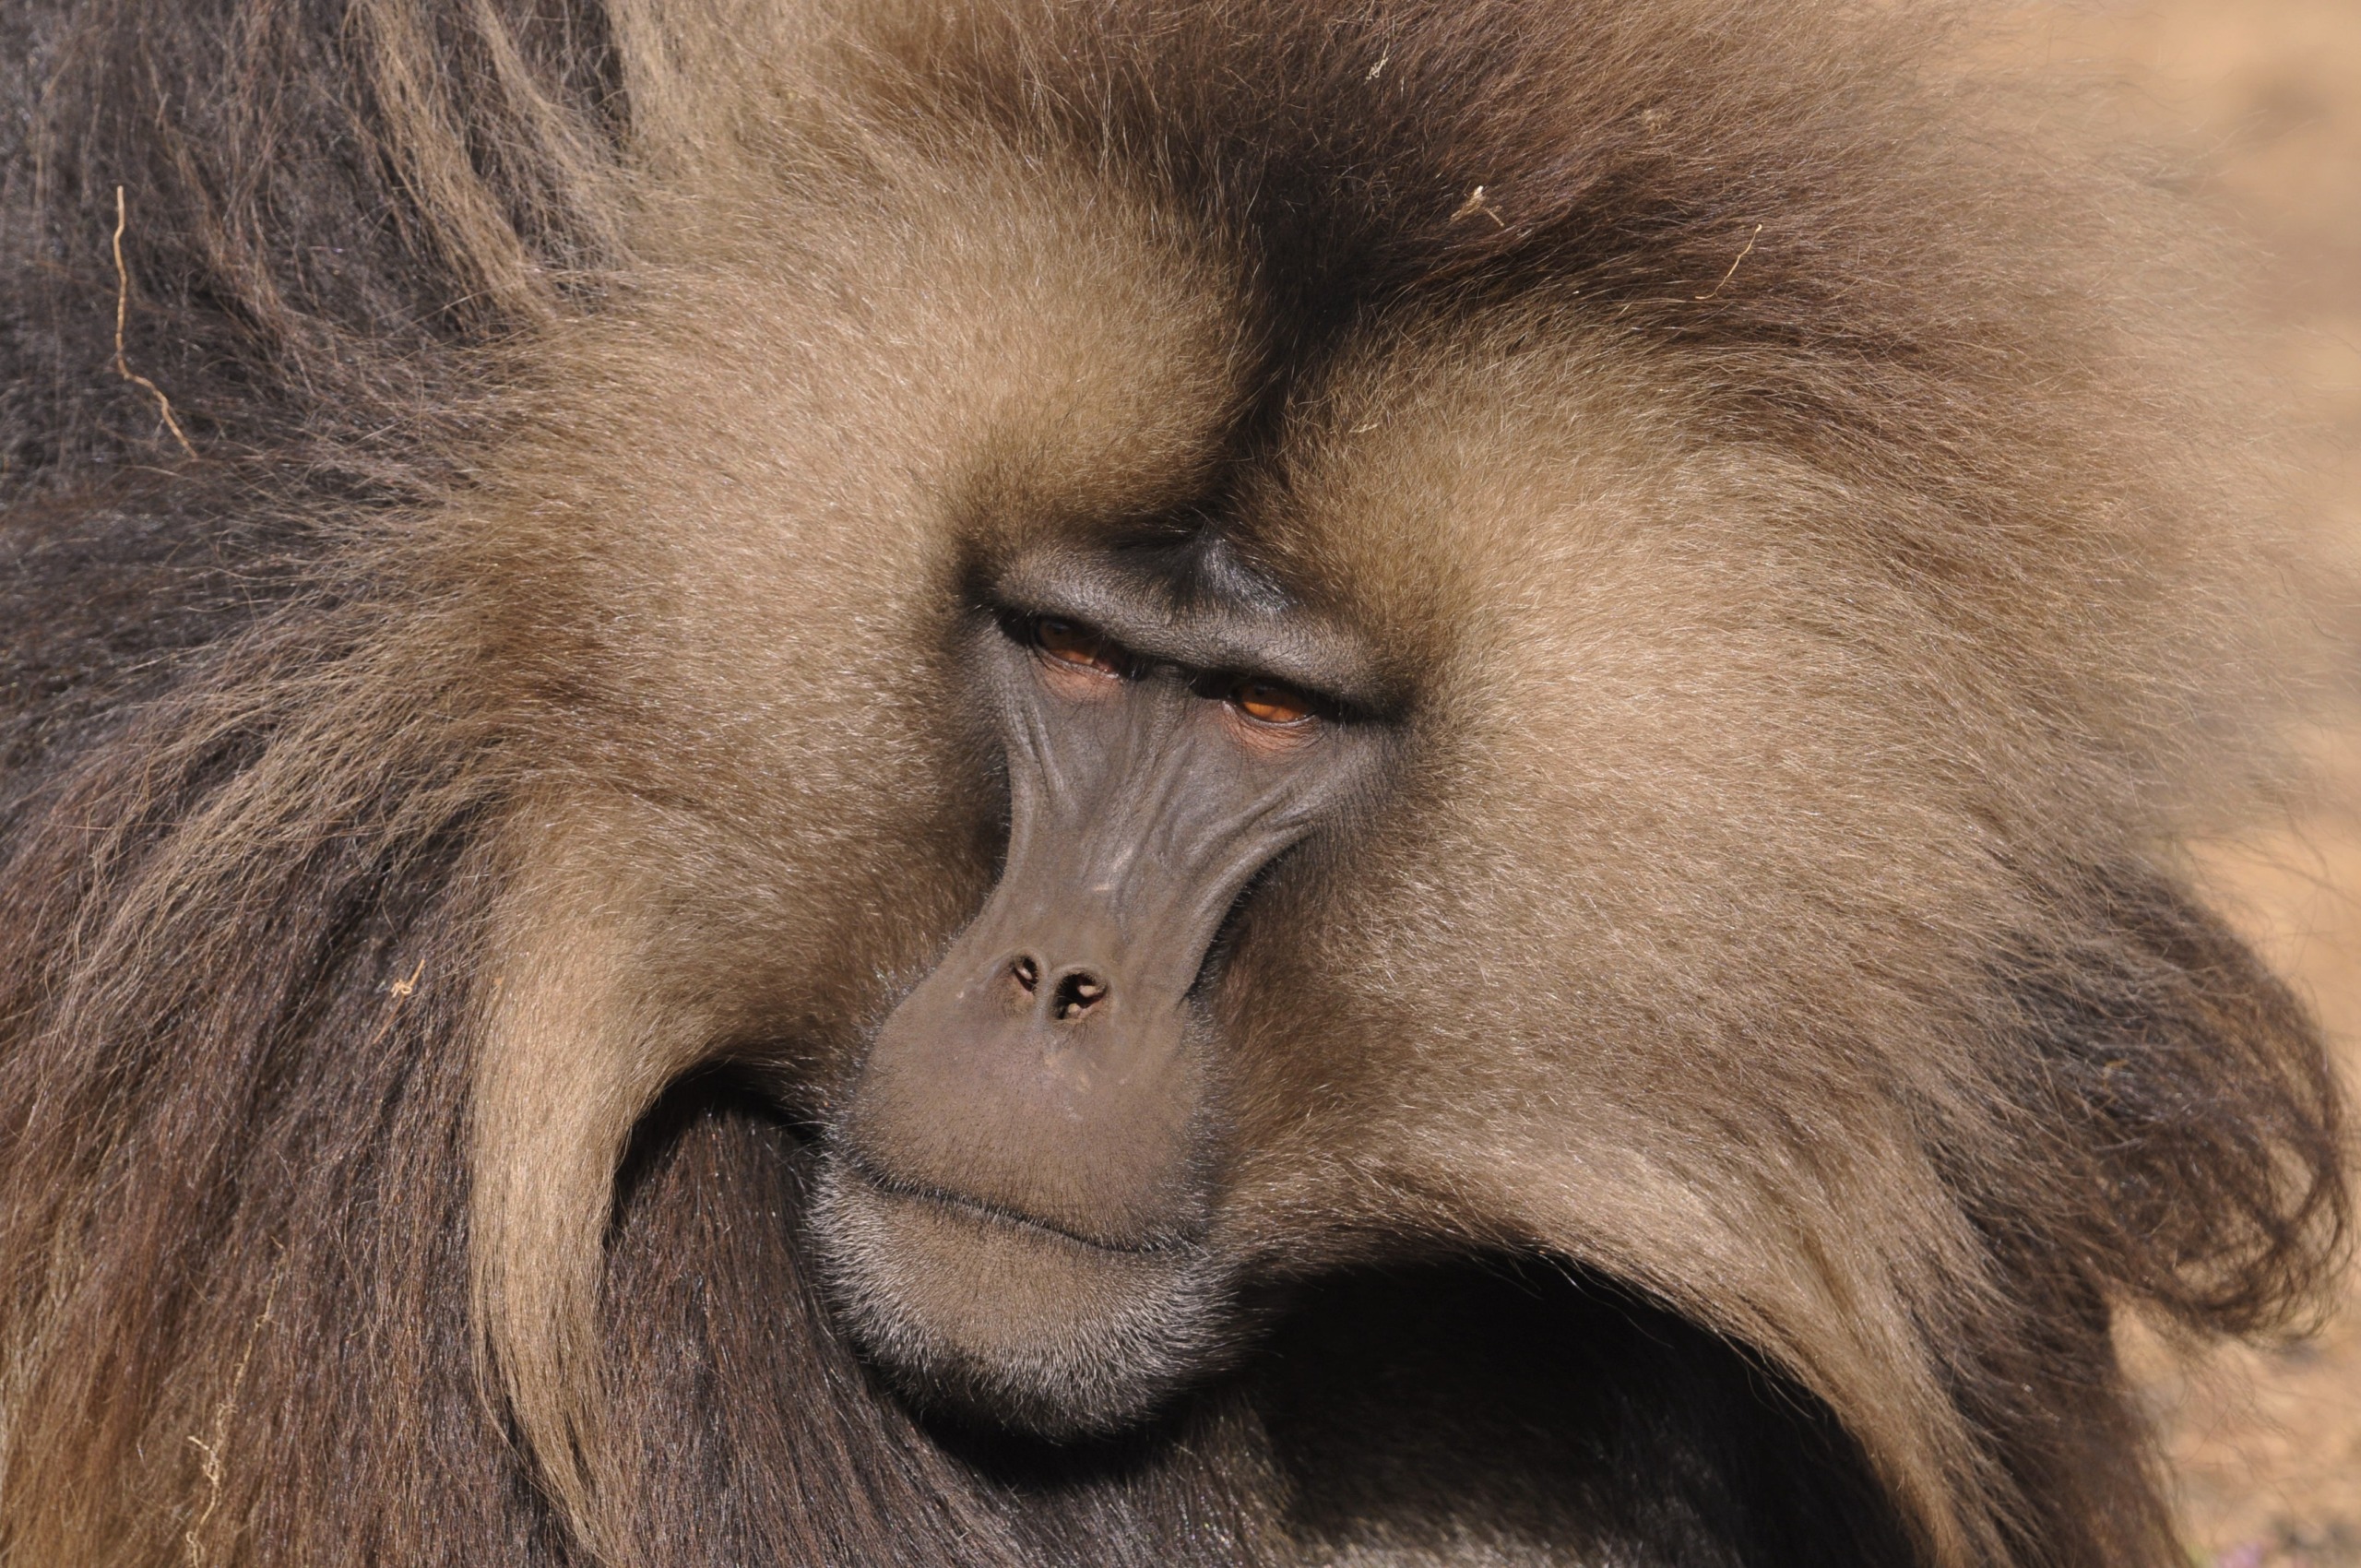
point(1067, 643)
point(1302, 707)
point(1076, 644)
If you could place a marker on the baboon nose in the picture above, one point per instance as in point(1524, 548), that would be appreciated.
point(1026, 1083)
point(1067, 999)
point(1078, 992)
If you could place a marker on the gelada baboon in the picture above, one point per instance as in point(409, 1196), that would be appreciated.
point(1109, 781)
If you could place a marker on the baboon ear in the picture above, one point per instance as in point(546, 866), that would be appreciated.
point(2199, 1096)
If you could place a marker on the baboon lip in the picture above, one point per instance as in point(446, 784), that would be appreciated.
point(1164, 1244)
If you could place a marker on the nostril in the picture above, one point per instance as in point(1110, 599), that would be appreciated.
point(1077, 993)
point(1027, 973)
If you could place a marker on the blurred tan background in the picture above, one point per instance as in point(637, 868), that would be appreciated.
point(2259, 102)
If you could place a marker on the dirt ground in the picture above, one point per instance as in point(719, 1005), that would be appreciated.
point(2262, 97)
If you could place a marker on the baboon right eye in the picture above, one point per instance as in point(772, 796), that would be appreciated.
point(1069, 642)
point(1268, 702)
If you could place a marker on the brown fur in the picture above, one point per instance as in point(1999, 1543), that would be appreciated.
point(461, 824)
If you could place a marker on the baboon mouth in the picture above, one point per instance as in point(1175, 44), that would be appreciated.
point(986, 1213)
point(985, 1312)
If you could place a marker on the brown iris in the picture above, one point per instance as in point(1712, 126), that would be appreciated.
point(1267, 702)
point(1069, 642)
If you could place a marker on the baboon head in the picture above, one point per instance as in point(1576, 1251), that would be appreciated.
point(1188, 770)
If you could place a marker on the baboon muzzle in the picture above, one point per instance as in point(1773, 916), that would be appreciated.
point(1048, 1071)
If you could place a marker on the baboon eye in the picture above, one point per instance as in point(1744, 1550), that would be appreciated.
point(1267, 702)
point(1069, 642)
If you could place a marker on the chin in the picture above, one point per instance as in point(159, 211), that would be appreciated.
point(991, 1319)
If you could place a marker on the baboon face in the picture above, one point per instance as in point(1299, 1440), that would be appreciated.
point(1029, 1158)
point(1217, 846)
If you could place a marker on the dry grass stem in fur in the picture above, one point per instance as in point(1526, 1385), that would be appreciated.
point(122, 305)
point(1743, 251)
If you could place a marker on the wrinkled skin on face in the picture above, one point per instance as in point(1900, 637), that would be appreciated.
point(1041, 1119)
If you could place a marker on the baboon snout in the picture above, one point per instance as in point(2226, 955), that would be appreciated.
point(1047, 1076)
point(1033, 1137)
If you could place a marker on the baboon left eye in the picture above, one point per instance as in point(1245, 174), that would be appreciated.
point(1069, 642)
point(1267, 702)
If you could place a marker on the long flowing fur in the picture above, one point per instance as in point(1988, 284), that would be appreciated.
point(309, 1250)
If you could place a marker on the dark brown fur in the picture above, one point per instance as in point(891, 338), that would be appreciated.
point(1823, 992)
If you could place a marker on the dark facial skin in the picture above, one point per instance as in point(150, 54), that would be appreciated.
point(1028, 1169)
